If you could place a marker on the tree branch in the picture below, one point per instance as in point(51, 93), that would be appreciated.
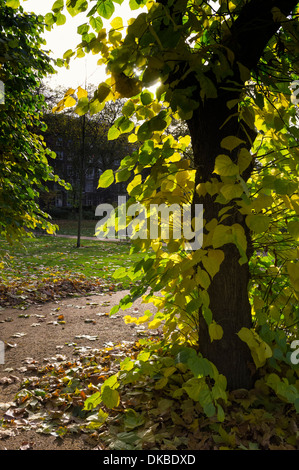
point(254, 27)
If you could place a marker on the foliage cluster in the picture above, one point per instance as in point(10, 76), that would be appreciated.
point(24, 167)
point(252, 180)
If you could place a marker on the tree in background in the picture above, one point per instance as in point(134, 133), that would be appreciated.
point(228, 312)
point(64, 135)
point(24, 167)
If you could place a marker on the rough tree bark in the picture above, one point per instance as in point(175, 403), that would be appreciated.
point(210, 123)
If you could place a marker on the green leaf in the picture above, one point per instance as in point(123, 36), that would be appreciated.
point(144, 132)
point(79, 7)
point(97, 420)
point(105, 8)
point(103, 91)
point(58, 6)
point(13, 3)
point(122, 175)
point(113, 133)
point(134, 4)
point(225, 167)
point(231, 191)
point(83, 29)
point(119, 273)
point(220, 413)
point(60, 19)
point(146, 98)
point(110, 397)
point(193, 387)
point(293, 229)
point(96, 23)
point(93, 401)
point(285, 186)
point(209, 410)
point(132, 419)
point(82, 106)
point(125, 125)
point(106, 179)
point(69, 53)
point(258, 223)
point(114, 310)
point(200, 366)
point(95, 106)
point(49, 19)
point(128, 108)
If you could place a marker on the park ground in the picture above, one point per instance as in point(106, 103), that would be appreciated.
point(61, 343)
point(55, 302)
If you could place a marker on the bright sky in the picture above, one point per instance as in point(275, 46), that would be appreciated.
point(62, 38)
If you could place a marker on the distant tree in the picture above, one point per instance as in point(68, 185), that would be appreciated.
point(24, 158)
point(66, 128)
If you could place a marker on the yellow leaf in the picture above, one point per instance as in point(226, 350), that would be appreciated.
point(231, 191)
point(69, 102)
point(225, 167)
point(295, 203)
point(81, 93)
point(154, 324)
point(293, 270)
point(222, 235)
point(260, 350)
point(128, 319)
point(213, 261)
point(202, 278)
point(156, 245)
point(244, 160)
point(185, 141)
point(231, 142)
point(215, 331)
point(117, 23)
point(135, 182)
point(132, 138)
point(70, 91)
point(212, 187)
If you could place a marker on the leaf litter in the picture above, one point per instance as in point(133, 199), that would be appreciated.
point(59, 285)
point(52, 401)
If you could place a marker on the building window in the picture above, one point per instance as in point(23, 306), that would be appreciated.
point(59, 155)
point(90, 173)
point(89, 186)
point(58, 201)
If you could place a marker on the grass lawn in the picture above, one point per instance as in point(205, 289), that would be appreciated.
point(46, 254)
point(70, 227)
point(46, 260)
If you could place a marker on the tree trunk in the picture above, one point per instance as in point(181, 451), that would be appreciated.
point(81, 182)
point(228, 290)
point(229, 303)
point(210, 123)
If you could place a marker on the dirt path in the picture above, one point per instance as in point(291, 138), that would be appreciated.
point(55, 328)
